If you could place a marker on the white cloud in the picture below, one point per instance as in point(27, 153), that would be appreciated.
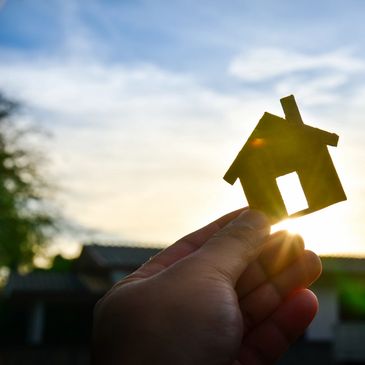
point(132, 146)
point(141, 151)
point(319, 90)
point(259, 64)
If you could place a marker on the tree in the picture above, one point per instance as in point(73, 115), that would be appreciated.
point(26, 221)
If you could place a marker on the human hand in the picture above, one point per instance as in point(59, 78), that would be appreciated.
point(228, 293)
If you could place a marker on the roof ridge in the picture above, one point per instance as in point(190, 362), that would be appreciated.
point(342, 257)
point(123, 245)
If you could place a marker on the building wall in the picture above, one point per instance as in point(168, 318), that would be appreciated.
point(324, 324)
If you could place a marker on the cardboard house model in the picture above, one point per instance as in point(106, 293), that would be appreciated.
point(279, 146)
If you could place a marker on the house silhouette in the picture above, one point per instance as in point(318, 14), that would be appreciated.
point(279, 146)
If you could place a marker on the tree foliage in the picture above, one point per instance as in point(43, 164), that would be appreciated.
point(26, 222)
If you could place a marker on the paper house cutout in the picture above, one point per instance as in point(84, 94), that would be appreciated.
point(279, 146)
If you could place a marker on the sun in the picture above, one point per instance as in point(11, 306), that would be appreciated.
point(324, 232)
point(327, 232)
point(337, 230)
point(313, 233)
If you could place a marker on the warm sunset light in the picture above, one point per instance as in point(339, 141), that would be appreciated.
point(324, 232)
point(143, 136)
point(127, 125)
point(258, 142)
point(292, 193)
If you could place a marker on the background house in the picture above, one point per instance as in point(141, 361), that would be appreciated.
point(46, 316)
point(337, 334)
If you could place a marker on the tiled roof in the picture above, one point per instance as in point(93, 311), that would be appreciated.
point(44, 282)
point(337, 264)
point(119, 256)
point(130, 257)
point(119, 260)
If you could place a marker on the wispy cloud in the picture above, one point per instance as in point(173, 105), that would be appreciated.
point(139, 150)
point(129, 141)
point(266, 63)
point(316, 90)
point(149, 104)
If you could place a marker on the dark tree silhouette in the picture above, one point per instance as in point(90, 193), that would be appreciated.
point(26, 221)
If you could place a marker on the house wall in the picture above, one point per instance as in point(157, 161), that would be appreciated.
point(320, 181)
point(262, 193)
point(349, 342)
point(324, 324)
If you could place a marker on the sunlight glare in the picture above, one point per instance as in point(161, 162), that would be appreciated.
point(325, 232)
point(292, 192)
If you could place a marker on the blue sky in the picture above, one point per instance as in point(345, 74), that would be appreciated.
point(149, 101)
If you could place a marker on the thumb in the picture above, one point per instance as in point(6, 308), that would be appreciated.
point(232, 248)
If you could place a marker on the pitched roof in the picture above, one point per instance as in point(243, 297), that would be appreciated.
point(45, 282)
point(116, 257)
point(274, 126)
point(121, 260)
point(272, 130)
point(338, 264)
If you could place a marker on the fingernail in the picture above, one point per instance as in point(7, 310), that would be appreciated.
point(254, 220)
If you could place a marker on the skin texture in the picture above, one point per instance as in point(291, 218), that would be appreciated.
point(229, 293)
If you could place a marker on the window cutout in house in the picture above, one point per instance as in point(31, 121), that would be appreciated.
point(292, 193)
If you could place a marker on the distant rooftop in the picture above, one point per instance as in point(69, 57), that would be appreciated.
point(115, 257)
point(45, 282)
point(338, 264)
point(99, 266)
